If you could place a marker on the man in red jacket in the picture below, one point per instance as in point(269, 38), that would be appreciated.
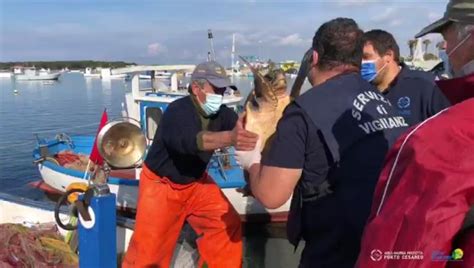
point(422, 211)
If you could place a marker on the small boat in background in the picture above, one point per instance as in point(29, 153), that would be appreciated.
point(5, 74)
point(89, 73)
point(31, 73)
point(106, 74)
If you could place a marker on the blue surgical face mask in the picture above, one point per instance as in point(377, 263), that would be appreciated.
point(369, 70)
point(212, 104)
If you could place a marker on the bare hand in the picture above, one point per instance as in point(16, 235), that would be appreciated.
point(242, 139)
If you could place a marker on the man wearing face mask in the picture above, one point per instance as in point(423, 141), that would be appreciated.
point(445, 72)
point(424, 199)
point(174, 185)
point(413, 93)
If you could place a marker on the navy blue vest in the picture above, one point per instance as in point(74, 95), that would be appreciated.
point(358, 126)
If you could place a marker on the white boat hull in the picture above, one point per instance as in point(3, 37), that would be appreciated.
point(26, 77)
point(92, 75)
point(5, 74)
point(247, 207)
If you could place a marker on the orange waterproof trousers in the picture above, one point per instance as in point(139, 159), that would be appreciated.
point(162, 208)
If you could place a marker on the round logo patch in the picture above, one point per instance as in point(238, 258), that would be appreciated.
point(403, 102)
point(376, 255)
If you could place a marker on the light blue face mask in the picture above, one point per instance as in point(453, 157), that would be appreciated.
point(369, 70)
point(447, 67)
point(212, 104)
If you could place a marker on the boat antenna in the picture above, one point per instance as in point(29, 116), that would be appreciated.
point(211, 54)
point(233, 53)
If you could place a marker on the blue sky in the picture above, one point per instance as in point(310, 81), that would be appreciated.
point(165, 32)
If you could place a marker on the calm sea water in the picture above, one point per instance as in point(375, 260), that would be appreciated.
point(72, 105)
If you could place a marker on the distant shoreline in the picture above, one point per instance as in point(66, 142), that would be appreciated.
point(71, 65)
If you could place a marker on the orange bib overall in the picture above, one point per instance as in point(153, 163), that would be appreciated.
point(162, 208)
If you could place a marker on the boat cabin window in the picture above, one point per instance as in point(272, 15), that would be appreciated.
point(153, 117)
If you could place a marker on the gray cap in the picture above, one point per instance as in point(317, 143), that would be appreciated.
point(213, 72)
point(456, 11)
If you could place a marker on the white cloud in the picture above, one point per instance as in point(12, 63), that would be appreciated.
point(242, 39)
point(396, 22)
point(387, 14)
point(247, 39)
point(356, 2)
point(155, 49)
point(291, 40)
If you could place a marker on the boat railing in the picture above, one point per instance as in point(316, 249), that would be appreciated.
point(134, 72)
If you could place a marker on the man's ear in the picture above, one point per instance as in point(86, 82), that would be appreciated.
point(195, 88)
point(389, 56)
point(315, 58)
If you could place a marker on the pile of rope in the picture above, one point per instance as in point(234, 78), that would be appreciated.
point(37, 246)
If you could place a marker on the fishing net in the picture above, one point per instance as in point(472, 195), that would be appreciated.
point(37, 246)
point(69, 159)
point(80, 162)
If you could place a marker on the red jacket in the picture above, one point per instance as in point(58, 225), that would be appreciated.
point(425, 191)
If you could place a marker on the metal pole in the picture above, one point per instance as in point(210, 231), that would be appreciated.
point(210, 37)
point(232, 55)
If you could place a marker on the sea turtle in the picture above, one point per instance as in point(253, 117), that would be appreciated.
point(267, 101)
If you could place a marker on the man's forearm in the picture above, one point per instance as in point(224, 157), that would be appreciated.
point(253, 178)
point(209, 141)
point(272, 186)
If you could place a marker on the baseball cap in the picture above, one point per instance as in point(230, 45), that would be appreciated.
point(213, 72)
point(456, 11)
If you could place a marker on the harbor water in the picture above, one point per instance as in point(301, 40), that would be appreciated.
point(73, 105)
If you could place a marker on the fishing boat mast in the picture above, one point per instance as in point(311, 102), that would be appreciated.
point(232, 55)
point(211, 55)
